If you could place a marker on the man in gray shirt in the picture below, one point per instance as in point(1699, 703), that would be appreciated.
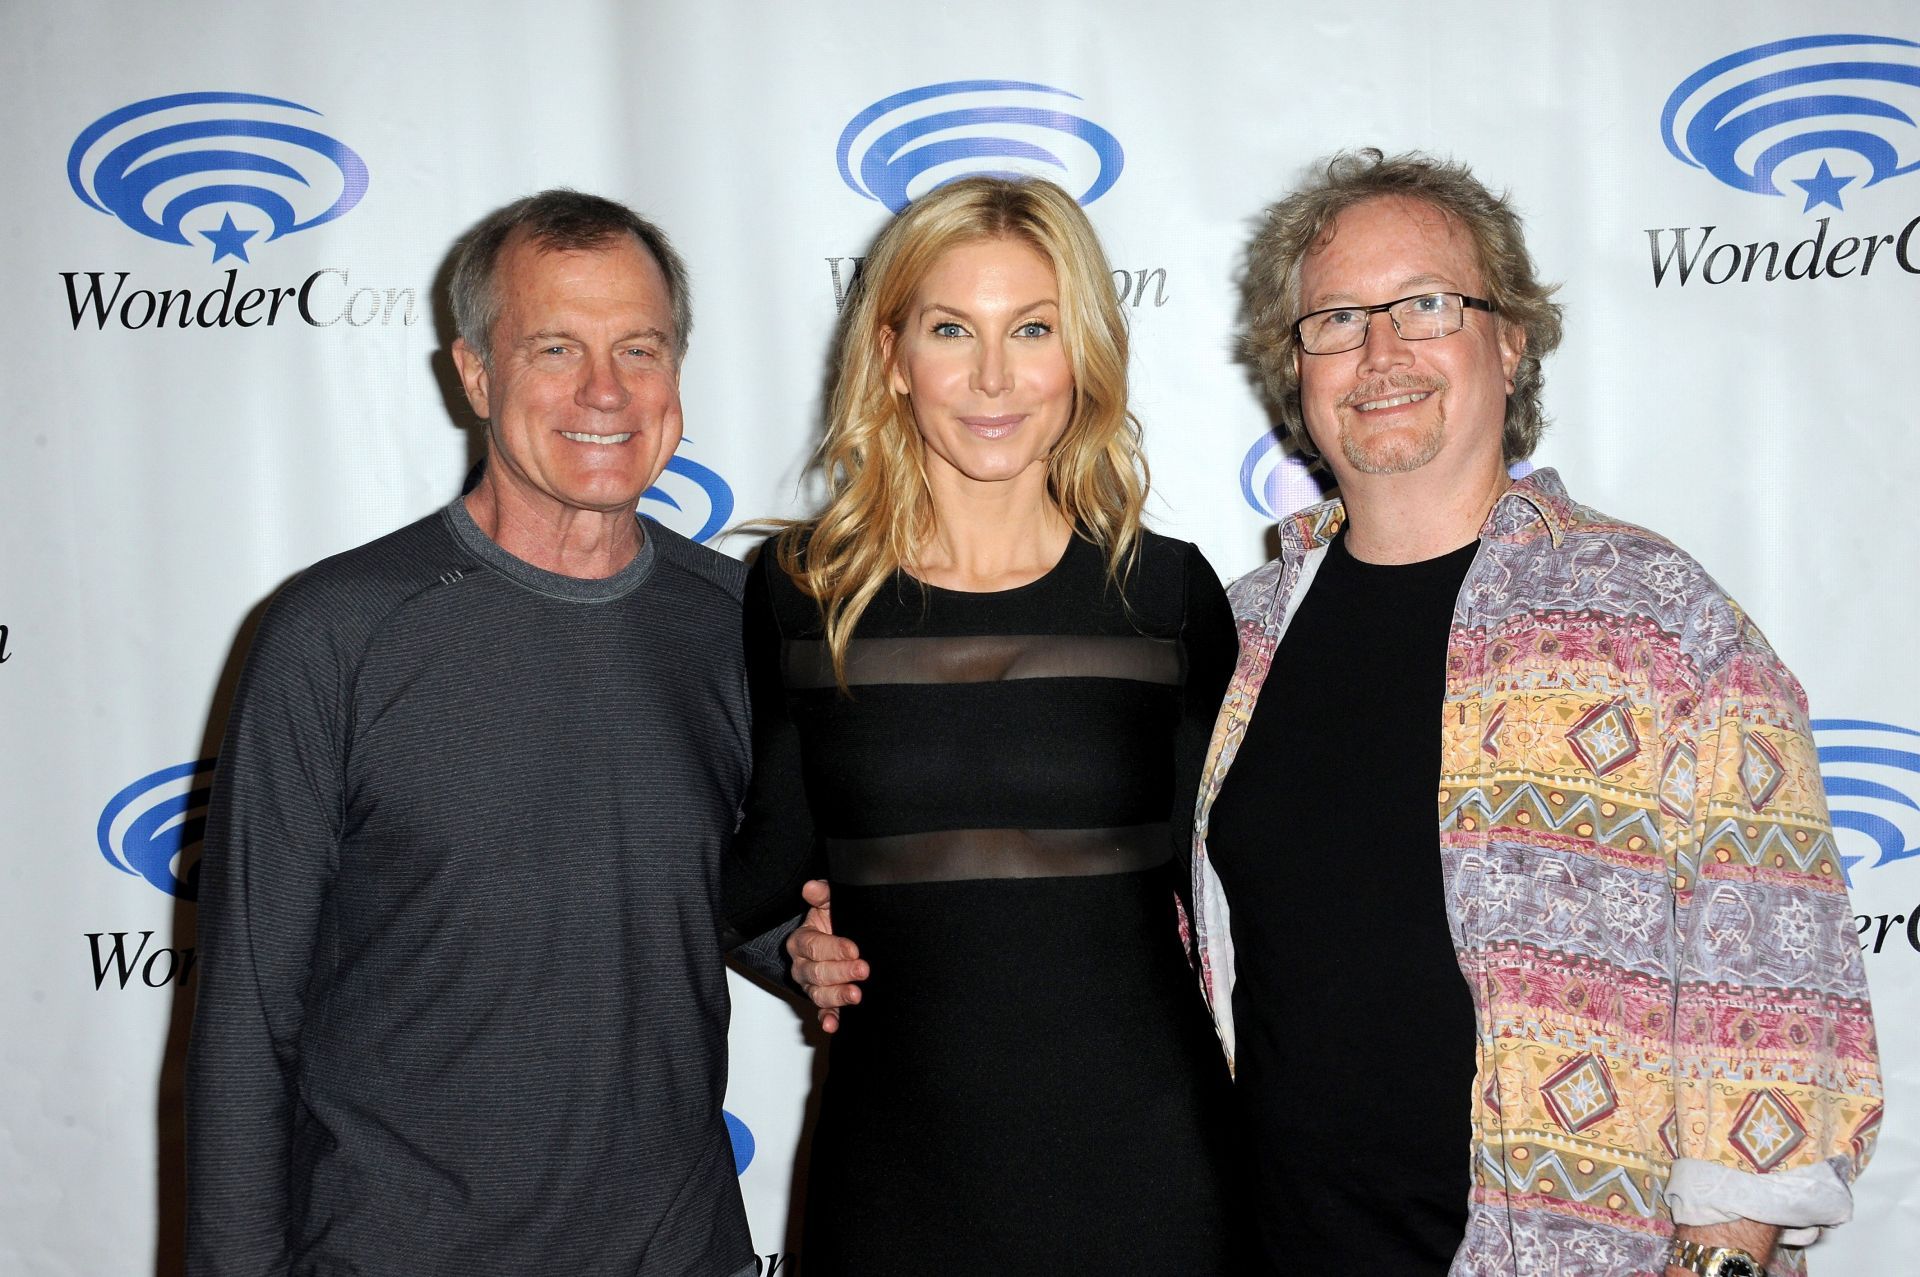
point(462, 1008)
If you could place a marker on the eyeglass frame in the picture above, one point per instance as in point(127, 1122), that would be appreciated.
point(1466, 304)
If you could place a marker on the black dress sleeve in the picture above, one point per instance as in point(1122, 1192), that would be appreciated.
point(775, 849)
point(1211, 645)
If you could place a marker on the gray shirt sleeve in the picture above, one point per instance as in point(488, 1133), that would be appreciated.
point(264, 873)
point(766, 954)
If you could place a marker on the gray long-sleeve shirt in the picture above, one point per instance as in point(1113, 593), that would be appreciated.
point(462, 1008)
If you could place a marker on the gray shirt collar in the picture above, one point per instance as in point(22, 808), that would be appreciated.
point(539, 580)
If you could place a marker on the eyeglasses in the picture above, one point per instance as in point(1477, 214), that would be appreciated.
point(1418, 318)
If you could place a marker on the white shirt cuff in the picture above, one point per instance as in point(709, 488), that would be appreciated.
point(1800, 1202)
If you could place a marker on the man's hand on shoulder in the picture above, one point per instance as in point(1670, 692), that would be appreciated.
point(825, 965)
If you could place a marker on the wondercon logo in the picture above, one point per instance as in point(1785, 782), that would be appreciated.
point(907, 144)
point(690, 498)
point(1872, 775)
point(153, 827)
point(742, 1141)
point(1769, 112)
point(1275, 482)
point(165, 166)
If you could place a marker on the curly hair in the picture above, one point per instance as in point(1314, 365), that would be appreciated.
point(1300, 223)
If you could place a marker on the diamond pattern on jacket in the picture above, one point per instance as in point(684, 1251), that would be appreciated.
point(1761, 770)
point(1676, 782)
point(1604, 738)
point(1580, 1093)
point(1767, 1129)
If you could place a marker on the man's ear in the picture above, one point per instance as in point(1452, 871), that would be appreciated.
point(1513, 346)
point(473, 377)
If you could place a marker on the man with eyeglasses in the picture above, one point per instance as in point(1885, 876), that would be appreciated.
point(1660, 1057)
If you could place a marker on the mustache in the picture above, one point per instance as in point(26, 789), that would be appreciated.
point(1391, 384)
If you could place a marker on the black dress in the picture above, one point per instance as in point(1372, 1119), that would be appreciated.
point(1031, 1083)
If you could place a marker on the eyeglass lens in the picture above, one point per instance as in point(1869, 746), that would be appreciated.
point(1414, 318)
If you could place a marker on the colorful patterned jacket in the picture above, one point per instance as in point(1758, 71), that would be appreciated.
point(1642, 887)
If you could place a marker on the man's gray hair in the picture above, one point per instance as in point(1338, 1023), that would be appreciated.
point(1294, 227)
point(558, 220)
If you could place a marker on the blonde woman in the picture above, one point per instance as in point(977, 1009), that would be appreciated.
point(981, 691)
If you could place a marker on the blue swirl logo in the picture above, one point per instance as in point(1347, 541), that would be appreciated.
point(162, 162)
point(1275, 482)
point(690, 498)
point(908, 144)
point(1846, 99)
point(1872, 775)
point(152, 829)
point(742, 1141)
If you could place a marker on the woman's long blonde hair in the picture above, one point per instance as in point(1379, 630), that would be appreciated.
point(879, 513)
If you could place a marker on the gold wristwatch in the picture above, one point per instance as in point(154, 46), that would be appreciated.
point(1714, 1261)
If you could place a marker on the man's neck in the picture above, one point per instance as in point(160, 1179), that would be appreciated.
point(1409, 518)
point(588, 544)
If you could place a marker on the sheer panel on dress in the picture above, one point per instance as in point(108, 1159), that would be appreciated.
point(984, 658)
point(953, 855)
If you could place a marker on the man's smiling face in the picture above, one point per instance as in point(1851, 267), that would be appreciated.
point(582, 390)
point(1392, 406)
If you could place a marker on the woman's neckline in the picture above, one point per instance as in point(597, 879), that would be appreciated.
point(1073, 538)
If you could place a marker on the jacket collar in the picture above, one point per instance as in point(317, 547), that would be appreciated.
point(1537, 499)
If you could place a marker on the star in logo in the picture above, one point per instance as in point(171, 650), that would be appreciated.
point(1846, 866)
point(229, 240)
point(1822, 188)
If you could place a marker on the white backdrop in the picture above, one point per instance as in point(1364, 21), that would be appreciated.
point(158, 479)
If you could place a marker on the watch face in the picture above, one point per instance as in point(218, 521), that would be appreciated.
point(1735, 1266)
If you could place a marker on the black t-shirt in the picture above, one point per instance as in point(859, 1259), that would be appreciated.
point(1355, 1027)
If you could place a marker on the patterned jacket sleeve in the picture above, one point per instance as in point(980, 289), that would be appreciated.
point(1776, 1080)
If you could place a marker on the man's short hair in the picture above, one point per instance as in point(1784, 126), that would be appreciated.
point(558, 220)
point(1294, 227)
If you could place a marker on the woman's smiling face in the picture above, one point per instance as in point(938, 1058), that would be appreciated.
point(980, 359)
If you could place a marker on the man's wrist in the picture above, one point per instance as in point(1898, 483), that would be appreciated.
point(1714, 1261)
